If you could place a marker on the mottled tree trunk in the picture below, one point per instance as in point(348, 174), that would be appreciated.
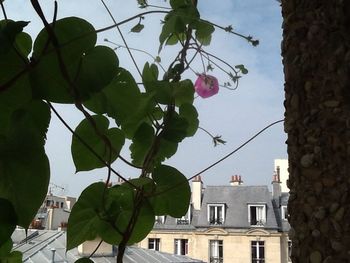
point(316, 58)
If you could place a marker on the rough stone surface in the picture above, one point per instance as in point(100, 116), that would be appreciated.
point(316, 59)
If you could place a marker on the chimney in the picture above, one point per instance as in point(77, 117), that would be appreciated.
point(197, 192)
point(104, 250)
point(276, 185)
point(236, 180)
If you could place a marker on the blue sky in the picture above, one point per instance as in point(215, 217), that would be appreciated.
point(236, 115)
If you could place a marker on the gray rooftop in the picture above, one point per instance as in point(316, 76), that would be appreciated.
point(236, 200)
point(38, 249)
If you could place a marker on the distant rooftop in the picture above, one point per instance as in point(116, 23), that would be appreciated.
point(39, 246)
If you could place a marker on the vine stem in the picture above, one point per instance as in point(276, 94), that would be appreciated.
point(122, 36)
point(3, 10)
point(138, 50)
point(225, 157)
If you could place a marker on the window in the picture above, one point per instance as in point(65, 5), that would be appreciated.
point(181, 246)
point(216, 214)
point(186, 219)
point(216, 251)
point(61, 204)
point(257, 215)
point(153, 243)
point(258, 252)
point(284, 212)
point(160, 220)
point(289, 250)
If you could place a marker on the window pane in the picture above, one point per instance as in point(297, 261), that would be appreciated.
point(212, 214)
point(253, 215)
point(219, 216)
point(261, 252)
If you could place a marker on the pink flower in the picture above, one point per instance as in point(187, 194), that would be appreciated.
point(206, 85)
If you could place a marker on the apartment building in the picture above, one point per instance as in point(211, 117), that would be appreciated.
point(233, 223)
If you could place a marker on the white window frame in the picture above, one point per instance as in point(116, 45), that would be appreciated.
point(214, 254)
point(155, 243)
point(262, 221)
point(219, 221)
point(186, 219)
point(159, 220)
point(180, 244)
point(256, 247)
point(284, 213)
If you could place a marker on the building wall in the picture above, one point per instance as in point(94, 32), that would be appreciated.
point(56, 216)
point(236, 245)
point(284, 175)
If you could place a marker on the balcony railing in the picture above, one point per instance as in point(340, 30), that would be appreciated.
point(260, 222)
point(182, 221)
point(216, 221)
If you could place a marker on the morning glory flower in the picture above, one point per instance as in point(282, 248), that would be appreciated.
point(206, 85)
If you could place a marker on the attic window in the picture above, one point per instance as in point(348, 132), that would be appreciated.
point(160, 219)
point(186, 219)
point(257, 214)
point(284, 212)
point(216, 214)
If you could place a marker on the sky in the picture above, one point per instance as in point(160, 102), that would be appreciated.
point(235, 115)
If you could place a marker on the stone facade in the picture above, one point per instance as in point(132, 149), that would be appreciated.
point(228, 224)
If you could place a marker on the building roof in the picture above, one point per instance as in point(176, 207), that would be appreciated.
point(38, 249)
point(236, 200)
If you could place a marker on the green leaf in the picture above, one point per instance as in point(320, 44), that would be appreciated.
point(17, 90)
point(13, 257)
point(83, 158)
point(137, 29)
point(89, 219)
point(88, 68)
point(189, 112)
point(5, 248)
point(23, 161)
point(166, 149)
point(98, 68)
point(123, 101)
point(8, 220)
point(242, 69)
point(173, 192)
point(162, 90)
point(75, 36)
point(24, 43)
point(84, 260)
point(183, 92)
point(8, 32)
point(85, 216)
point(204, 31)
point(179, 3)
point(121, 199)
point(173, 24)
point(175, 129)
point(141, 143)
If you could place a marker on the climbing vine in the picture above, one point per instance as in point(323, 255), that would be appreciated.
point(63, 64)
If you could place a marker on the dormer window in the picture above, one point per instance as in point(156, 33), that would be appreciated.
point(186, 219)
point(284, 212)
point(159, 220)
point(257, 214)
point(216, 214)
